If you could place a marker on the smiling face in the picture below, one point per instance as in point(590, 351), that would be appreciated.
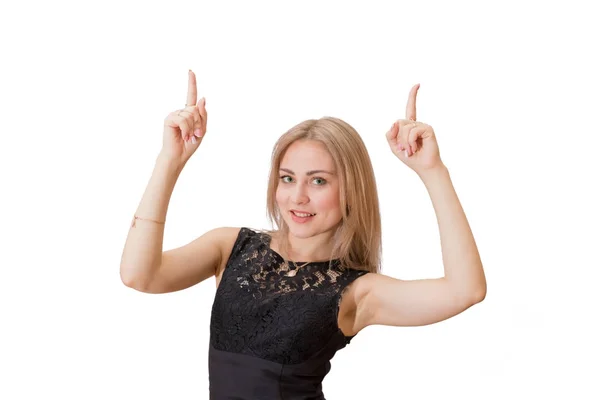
point(308, 190)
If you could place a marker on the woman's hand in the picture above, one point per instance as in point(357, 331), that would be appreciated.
point(414, 142)
point(185, 128)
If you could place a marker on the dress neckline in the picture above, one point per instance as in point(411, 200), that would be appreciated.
point(291, 263)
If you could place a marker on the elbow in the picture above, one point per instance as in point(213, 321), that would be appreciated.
point(472, 295)
point(467, 299)
point(476, 290)
point(479, 293)
point(132, 280)
point(128, 280)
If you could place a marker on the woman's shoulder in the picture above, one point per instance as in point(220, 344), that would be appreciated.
point(239, 241)
point(265, 236)
point(229, 231)
point(234, 237)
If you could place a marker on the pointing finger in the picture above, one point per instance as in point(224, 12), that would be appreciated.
point(411, 105)
point(192, 90)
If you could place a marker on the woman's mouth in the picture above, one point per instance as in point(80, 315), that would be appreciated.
point(301, 217)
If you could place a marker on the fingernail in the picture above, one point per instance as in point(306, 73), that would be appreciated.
point(197, 132)
point(406, 153)
point(193, 140)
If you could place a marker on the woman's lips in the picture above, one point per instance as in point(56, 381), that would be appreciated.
point(301, 219)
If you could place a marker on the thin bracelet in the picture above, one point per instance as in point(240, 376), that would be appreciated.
point(144, 219)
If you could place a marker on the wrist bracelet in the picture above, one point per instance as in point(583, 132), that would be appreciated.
point(144, 219)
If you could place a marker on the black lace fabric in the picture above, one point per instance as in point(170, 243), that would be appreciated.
point(264, 307)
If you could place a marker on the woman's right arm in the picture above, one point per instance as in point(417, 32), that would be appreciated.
point(144, 265)
point(142, 254)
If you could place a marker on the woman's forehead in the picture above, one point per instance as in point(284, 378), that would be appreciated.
point(307, 155)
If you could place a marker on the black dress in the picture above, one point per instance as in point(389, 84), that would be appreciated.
point(273, 332)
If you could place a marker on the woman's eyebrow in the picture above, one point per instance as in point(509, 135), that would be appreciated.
point(316, 171)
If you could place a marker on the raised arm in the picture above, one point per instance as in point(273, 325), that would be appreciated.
point(390, 301)
point(142, 254)
point(143, 264)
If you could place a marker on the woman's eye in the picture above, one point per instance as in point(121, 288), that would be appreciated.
point(316, 181)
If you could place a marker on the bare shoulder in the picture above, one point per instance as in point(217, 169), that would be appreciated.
point(225, 236)
point(223, 239)
point(194, 262)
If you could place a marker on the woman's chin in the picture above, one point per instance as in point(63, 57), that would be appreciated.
point(301, 230)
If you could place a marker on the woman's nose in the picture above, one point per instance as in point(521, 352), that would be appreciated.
point(299, 196)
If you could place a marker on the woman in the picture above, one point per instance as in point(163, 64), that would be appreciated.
point(289, 298)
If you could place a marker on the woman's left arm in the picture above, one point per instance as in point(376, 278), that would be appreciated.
point(389, 301)
point(463, 270)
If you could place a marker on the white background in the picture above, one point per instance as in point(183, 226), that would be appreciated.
point(511, 91)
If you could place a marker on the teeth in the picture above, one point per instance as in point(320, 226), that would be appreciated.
point(302, 214)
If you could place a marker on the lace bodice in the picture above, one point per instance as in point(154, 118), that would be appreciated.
point(285, 317)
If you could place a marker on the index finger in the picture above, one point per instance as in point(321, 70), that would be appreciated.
point(192, 94)
point(411, 105)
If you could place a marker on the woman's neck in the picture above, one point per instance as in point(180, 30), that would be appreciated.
point(314, 248)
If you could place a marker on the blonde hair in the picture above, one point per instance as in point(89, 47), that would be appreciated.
point(358, 238)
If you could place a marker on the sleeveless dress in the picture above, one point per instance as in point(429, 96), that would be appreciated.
point(273, 329)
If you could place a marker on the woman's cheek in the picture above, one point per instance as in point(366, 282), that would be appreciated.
point(328, 200)
point(279, 197)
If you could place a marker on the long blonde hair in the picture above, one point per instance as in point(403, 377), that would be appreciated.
point(358, 238)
